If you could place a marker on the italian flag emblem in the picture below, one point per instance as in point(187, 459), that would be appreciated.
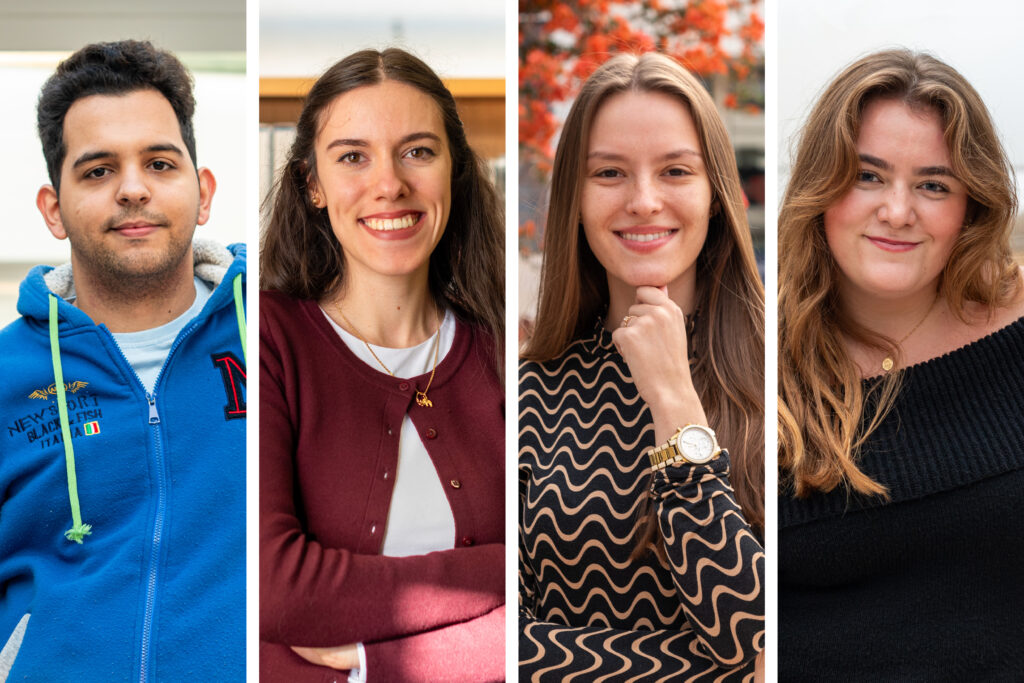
point(91, 428)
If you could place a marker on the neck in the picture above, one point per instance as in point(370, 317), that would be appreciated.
point(683, 291)
point(132, 304)
point(386, 311)
point(894, 318)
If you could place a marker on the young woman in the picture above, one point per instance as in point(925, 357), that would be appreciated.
point(637, 557)
point(901, 378)
point(381, 515)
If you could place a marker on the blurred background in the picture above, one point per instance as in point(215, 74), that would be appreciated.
point(561, 42)
point(462, 40)
point(816, 40)
point(207, 35)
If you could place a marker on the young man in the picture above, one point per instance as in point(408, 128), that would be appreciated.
point(122, 391)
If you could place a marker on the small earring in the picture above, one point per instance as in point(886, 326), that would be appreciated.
point(315, 198)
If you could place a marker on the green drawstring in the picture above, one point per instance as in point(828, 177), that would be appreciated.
point(240, 313)
point(78, 531)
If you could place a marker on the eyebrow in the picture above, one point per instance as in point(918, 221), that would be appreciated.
point(355, 142)
point(104, 154)
point(675, 154)
point(923, 170)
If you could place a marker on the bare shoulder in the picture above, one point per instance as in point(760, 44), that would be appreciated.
point(985, 320)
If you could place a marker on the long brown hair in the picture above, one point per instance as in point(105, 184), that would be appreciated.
point(823, 419)
point(729, 332)
point(300, 255)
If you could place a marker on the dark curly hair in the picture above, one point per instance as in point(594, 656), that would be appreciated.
point(111, 69)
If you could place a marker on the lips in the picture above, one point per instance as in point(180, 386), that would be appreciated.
point(891, 245)
point(136, 228)
point(394, 224)
point(645, 238)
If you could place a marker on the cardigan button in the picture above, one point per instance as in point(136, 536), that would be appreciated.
point(431, 433)
point(456, 484)
point(467, 540)
point(403, 386)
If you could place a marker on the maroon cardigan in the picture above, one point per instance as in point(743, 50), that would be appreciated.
point(329, 428)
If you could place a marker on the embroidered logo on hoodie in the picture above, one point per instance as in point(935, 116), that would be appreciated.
point(232, 373)
point(52, 389)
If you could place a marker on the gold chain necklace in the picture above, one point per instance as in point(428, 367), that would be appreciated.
point(888, 362)
point(421, 396)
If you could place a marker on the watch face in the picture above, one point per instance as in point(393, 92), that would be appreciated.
point(696, 445)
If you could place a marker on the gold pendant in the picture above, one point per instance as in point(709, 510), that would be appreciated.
point(423, 401)
point(887, 364)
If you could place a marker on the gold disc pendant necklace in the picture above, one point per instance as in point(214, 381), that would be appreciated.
point(421, 396)
point(888, 363)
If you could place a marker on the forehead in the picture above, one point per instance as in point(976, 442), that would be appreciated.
point(643, 121)
point(889, 125)
point(120, 124)
point(381, 113)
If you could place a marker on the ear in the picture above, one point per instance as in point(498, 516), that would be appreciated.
point(49, 206)
point(207, 186)
point(313, 192)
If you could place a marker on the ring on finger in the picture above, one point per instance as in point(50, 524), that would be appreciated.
point(626, 320)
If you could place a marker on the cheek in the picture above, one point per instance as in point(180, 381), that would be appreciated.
point(595, 205)
point(840, 227)
point(948, 222)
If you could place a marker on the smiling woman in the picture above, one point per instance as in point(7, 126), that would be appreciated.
point(901, 382)
point(648, 350)
point(381, 515)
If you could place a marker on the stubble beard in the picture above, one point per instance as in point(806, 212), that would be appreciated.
point(130, 274)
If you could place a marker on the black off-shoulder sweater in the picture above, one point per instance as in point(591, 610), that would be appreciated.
point(928, 585)
point(587, 611)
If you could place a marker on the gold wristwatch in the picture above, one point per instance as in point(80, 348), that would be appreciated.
point(693, 444)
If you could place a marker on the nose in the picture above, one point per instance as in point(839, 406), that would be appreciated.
point(133, 188)
point(389, 181)
point(897, 208)
point(646, 198)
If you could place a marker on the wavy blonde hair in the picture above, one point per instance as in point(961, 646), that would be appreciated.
point(825, 411)
point(729, 332)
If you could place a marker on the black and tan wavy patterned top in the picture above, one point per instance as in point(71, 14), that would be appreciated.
point(587, 611)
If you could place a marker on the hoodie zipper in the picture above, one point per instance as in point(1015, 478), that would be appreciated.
point(158, 529)
point(161, 508)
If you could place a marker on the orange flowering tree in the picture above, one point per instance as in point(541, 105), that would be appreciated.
point(562, 42)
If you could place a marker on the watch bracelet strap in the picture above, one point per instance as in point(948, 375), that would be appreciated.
point(666, 454)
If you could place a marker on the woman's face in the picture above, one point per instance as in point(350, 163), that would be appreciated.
point(893, 232)
point(646, 195)
point(384, 173)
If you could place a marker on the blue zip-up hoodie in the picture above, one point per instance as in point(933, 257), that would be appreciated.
point(156, 591)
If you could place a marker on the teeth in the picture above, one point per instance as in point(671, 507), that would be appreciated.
point(384, 224)
point(644, 237)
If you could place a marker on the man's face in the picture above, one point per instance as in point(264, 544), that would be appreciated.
point(130, 197)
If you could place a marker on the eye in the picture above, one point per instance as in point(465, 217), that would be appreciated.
point(351, 158)
point(421, 153)
point(161, 165)
point(98, 172)
point(608, 173)
point(934, 186)
point(867, 177)
point(678, 172)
